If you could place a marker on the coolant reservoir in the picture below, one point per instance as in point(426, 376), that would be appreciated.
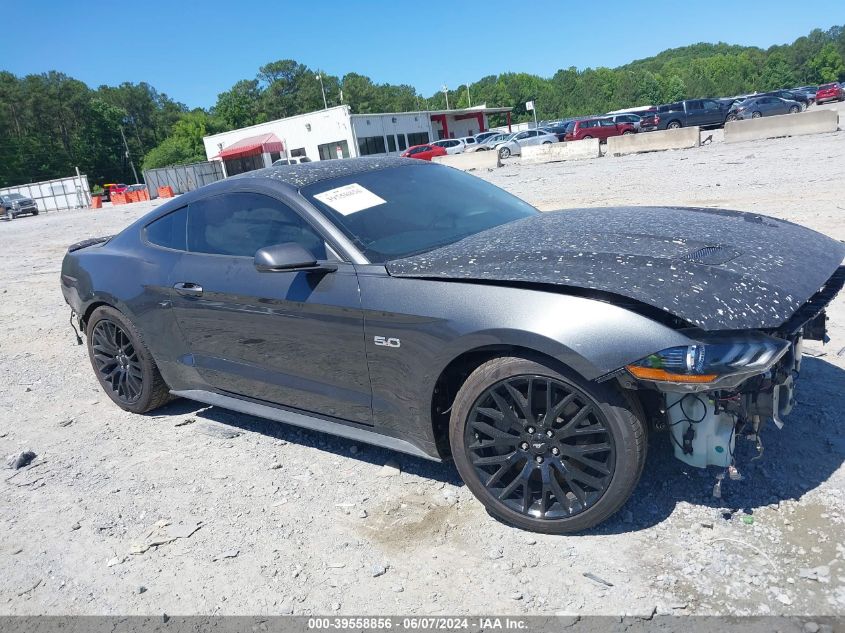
point(711, 439)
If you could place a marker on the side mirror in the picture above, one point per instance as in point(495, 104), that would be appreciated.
point(289, 256)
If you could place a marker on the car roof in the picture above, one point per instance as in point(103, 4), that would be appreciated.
point(304, 174)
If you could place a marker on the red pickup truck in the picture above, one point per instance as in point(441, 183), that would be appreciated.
point(600, 128)
point(110, 188)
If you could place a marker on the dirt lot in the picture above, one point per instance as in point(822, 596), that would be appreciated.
point(194, 510)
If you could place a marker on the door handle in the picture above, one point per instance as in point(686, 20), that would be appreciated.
point(188, 289)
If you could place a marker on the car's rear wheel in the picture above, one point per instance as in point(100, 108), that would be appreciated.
point(543, 449)
point(673, 125)
point(504, 153)
point(627, 132)
point(794, 110)
point(586, 137)
point(123, 363)
point(547, 142)
point(756, 115)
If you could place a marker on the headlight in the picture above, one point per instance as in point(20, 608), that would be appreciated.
point(711, 360)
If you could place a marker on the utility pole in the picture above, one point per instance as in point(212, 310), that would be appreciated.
point(126, 146)
point(446, 92)
point(323, 90)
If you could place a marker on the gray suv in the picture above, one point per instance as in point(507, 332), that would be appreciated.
point(14, 204)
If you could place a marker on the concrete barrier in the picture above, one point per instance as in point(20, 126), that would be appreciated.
point(658, 141)
point(813, 122)
point(470, 160)
point(554, 152)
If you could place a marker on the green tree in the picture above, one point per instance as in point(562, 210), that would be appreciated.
point(827, 65)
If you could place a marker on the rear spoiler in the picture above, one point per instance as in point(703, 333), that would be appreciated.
point(89, 242)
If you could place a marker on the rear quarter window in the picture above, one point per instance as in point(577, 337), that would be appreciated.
point(169, 231)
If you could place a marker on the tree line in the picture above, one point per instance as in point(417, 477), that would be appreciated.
point(52, 123)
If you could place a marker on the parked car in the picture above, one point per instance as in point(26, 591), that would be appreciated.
point(293, 160)
point(558, 130)
point(469, 141)
point(627, 117)
point(791, 95)
point(513, 146)
point(483, 136)
point(135, 187)
point(489, 143)
point(810, 91)
point(757, 107)
point(601, 128)
point(830, 92)
point(422, 309)
point(424, 152)
point(14, 204)
point(451, 145)
point(701, 112)
point(648, 119)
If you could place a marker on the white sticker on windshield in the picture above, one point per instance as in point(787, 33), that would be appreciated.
point(349, 199)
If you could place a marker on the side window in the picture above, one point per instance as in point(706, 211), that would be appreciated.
point(239, 224)
point(695, 105)
point(169, 231)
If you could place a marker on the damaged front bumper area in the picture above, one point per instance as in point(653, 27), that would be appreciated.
point(726, 384)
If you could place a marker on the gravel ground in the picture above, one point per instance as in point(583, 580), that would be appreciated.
point(200, 511)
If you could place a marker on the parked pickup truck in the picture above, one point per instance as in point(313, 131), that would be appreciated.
point(701, 112)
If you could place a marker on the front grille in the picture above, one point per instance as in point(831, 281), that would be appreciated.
point(817, 302)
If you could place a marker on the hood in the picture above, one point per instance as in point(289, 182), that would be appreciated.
point(716, 269)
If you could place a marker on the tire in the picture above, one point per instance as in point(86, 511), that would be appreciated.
point(627, 132)
point(490, 439)
point(756, 115)
point(504, 153)
point(547, 142)
point(673, 125)
point(35, 213)
point(9, 215)
point(794, 110)
point(123, 363)
point(584, 138)
point(730, 117)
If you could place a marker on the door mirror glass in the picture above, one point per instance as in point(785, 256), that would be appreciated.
point(287, 256)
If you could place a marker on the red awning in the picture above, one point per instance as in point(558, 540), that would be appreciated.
point(252, 146)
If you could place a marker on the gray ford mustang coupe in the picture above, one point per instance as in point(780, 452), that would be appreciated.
point(420, 308)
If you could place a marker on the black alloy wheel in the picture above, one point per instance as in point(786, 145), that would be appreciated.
point(542, 448)
point(117, 362)
point(122, 363)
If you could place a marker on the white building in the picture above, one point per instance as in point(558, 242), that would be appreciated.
point(337, 133)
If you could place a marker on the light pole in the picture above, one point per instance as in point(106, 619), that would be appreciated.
point(446, 92)
point(469, 99)
point(323, 90)
point(126, 146)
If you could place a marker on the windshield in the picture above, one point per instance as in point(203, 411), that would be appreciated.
point(14, 196)
point(413, 208)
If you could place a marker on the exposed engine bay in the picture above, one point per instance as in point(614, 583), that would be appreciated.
point(704, 423)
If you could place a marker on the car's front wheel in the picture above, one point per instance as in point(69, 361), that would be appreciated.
point(504, 153)
point(756, 115)
point(8, 215)
point(544, 449)
point(123, 363)
point(794, 110)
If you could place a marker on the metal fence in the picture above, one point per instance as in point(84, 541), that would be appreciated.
point(51, 195)
point(183, 178)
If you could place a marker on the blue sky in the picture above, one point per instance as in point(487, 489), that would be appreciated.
point(194, 50)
